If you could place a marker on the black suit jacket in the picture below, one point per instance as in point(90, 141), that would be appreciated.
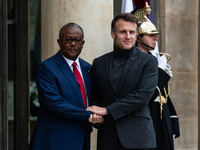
point(129, 118)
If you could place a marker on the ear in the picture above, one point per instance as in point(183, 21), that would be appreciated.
point(83, 42)
point(58, 41)
point(113, 35)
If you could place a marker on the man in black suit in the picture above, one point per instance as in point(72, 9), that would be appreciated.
point(123, 82)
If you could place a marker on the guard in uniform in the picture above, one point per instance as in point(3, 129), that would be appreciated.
point(162, 109)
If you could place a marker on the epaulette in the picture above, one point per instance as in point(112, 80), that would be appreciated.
point(168, 56)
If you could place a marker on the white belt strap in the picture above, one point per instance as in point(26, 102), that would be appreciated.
point(158, 99)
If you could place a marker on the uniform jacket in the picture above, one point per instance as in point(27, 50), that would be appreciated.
point(129, 118)
point(168, 126)
point(63, 121)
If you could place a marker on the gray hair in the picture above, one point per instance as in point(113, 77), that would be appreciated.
point(72, 24)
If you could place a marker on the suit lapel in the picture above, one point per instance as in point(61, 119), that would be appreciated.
point(109, 72)
point(66, 70)
point(129, 64)
point(86, 77)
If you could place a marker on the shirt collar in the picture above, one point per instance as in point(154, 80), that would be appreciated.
point(70, 62)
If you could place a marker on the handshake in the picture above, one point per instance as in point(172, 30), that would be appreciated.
point(97, 114)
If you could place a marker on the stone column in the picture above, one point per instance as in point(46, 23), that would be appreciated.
point(181, 42)
point(199, 77)
point(94, 16)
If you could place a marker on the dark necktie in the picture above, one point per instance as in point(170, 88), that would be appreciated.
point(80, 83)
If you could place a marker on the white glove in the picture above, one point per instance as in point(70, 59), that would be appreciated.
point(168, 70)
point(174, 135)
point(162, 62)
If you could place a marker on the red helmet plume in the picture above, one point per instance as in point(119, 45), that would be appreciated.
point(140, 3)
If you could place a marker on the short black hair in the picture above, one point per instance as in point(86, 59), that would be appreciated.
point(71, 24)
point(126, 17)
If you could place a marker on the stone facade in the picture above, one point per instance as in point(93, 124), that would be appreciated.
point(181, 34)
point(93, 16)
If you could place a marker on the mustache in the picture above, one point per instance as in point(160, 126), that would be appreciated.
point(72, 48)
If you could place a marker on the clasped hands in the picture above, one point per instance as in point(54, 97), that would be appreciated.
point(97, 114)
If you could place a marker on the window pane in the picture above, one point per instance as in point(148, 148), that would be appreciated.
point(11, 67)
point(11, 9)
point(35, 56)
point(35, 36)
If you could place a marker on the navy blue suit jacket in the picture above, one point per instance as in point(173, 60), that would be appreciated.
point(63, 121)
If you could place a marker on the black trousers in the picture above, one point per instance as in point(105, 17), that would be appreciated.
point(84, 145)
point(120, 147)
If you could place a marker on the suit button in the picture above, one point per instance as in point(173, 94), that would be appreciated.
point(81, 113)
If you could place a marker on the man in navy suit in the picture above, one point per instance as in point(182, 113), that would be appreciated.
point(63, 123)
point(124, 81)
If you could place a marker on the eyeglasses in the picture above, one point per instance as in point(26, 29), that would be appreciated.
point(69, 41)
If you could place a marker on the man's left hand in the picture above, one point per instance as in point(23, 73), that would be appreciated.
point(98, 110)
